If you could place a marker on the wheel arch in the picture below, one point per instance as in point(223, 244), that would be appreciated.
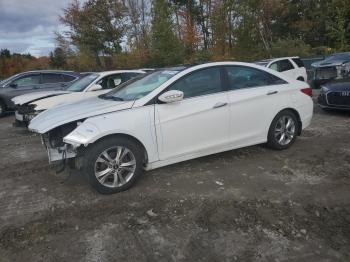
point(128, 136)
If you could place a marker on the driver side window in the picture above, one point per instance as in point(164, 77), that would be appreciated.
point(199, 83)
point(27, 80)
point(111, 81)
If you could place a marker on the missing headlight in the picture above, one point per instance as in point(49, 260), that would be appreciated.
point(55, 136)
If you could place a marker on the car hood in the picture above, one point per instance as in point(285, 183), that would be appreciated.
point(49, 102)
point(325, 63)
point(66, 113)
point(27, 98)
point(338, 85)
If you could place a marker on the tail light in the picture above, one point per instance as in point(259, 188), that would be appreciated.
point(307, 91)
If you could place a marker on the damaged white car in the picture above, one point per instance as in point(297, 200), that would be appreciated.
point(174, 115)
point(30, 105)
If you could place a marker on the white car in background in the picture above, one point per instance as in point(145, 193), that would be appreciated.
point(173, 115)
point(292, 67)
point(30, 105)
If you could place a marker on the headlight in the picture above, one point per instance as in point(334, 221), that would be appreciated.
point(324, 89)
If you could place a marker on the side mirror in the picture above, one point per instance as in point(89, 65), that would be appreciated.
point(13, 85)
point(95, 87)
point(171, 96)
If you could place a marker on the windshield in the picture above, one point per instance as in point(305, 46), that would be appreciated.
point(343, 56)
point(7, 80)
point(140, 87)
point(82, 83)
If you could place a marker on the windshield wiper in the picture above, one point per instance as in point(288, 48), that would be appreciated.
point(114, 98)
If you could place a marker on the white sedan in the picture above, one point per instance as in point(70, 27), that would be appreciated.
point(29, 105)
point(174, 115)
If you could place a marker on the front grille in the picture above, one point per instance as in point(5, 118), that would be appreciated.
point(25, 109)
point(326, 72)
point(338, 98)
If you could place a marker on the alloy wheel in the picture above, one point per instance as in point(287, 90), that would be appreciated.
point(285, 130)
point(115, 166)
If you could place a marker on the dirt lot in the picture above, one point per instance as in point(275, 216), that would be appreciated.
point(252, 204)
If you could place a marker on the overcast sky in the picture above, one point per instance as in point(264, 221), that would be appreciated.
point(27, 26)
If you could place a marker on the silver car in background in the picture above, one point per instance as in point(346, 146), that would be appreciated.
point(335, 66)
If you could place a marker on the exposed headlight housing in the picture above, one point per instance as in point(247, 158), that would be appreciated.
point(324, 89)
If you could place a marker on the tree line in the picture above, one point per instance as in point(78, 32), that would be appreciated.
point(140, 33)
point(11, 64)
point(109, 34)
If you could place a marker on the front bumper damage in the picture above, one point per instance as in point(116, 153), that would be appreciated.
point(58, 153)
point(24, 114)
point(327, 73)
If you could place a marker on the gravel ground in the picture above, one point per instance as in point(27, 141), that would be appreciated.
point(251, 204)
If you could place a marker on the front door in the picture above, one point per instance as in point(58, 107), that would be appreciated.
point(23, 85)
point(199, 123)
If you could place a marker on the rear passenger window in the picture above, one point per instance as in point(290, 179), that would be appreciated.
point(199, 83)
point(298, 62)
point(68, 78)
point(240, 77)
point(285, 65)
point(52, 78)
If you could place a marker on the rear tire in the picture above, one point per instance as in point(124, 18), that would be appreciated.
point(106, 172)
point(283, 130)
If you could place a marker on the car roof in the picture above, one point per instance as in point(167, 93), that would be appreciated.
point(103, 73)
point(276, 59)
point(49, 71)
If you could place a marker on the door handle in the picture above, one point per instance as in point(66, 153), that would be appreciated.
point(219, 104)
point(271, 93)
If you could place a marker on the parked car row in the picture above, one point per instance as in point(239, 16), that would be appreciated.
point(94, 84)
point(114, 125)
point(34, 81)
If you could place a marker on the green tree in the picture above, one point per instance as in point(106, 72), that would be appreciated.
point(58, 58)
point(166, 48)
point(97, 27)
point(338, 26)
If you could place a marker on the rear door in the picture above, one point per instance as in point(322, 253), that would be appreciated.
point(255, 97)
point(52, 81)
point(299, 68)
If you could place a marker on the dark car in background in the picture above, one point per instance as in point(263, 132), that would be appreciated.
point(33, 81)
point(335, 66)
point(335, 94)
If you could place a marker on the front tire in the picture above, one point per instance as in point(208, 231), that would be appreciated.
point(113, 164)
point(283, 130)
